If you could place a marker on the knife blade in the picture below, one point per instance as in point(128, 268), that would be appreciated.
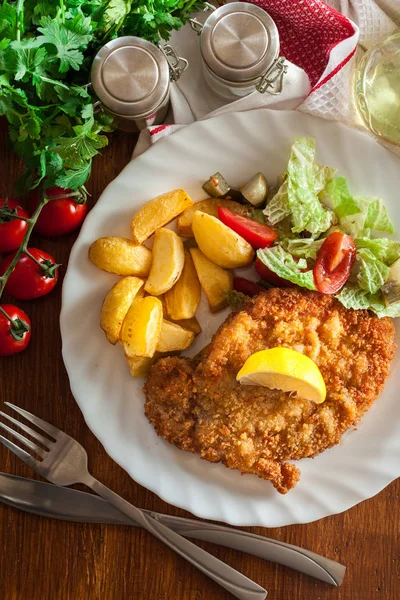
point(48, 500)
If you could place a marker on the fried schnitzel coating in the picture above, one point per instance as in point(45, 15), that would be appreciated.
point(198, 405)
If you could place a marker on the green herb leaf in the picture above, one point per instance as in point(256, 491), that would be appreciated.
point(68, 39)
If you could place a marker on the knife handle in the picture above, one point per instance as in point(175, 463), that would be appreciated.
point(275, 551)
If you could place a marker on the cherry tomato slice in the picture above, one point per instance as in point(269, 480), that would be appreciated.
point(256, 234)
point(12, 230)
point(270, 277)
point(247, 287)
point(28, 279)
point(60, 216)
point(15, 333)
point(334, 261)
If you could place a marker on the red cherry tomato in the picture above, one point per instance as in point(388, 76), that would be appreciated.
point(59, 216)
point(15, 330)
point(334, 261)
point(30, 280)
point(258, 235)
point(12, 230)
point(270, 277)
point(247, 287)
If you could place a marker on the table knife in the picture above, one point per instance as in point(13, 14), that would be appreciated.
point(48, 500)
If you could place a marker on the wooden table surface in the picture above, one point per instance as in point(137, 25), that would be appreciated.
point(43, 559)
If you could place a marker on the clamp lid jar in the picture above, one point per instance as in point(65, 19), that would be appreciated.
point(239, 44)
point(131, 79)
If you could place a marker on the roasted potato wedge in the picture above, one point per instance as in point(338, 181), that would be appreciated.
point(209, 206)
point(157, 213)
point(141, 328)
point(220, 243)
point(183, 298)
point(214, 280)
point(116, 305)
point(167, 264)
point(173, 337)
point(120, 256)
point(191, 324)
point(139, 366)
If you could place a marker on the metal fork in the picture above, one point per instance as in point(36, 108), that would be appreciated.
point(64, 462)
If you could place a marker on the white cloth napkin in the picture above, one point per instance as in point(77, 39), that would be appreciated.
point(321, 41)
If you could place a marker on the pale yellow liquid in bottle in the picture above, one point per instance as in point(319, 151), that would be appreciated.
point(377, 91)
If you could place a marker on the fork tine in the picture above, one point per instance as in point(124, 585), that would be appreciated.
point(45, 441)
point(50, 429)
point(24, 456)
point(24, 440)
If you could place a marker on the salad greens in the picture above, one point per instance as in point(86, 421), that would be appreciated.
point(312, 202)
point(46, 51)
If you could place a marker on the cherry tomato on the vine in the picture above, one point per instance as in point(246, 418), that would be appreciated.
point(61, 215)
point(334, 261)
point(15, 330)
point(29, 279)
point(12, 230)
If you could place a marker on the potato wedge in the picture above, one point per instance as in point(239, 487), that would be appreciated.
point(141, 328)
point(209, 206)
point(214, 280)
point(220, 243)
point(191, 324)
point(167, 264)
point(139, 366)
point(157, 213)
point(174, 337)
point(116, 305)
point(183, 298)
point(120, 256)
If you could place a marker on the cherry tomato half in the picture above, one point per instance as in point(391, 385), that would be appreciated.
point(29, 279)
point(270, 277)
point(256, 234)
point(15, 330)
point(334, 261)
point(59, 216)
point(247, 287)
point(12, 230)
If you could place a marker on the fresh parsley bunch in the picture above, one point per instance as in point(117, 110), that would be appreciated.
point(46, 51)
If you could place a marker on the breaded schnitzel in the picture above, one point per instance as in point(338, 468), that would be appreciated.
point(197, 404)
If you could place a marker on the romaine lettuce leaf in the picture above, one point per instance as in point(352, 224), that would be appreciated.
point(297, 197)
point(303, 247)
point(307, 212)
point(278, 208)
point(377, 216)
point(283, 264)
point(388, 251)
point(353, 297)
point(337, 197)
point(372, 216)
point(323, 175)
point(372, 272)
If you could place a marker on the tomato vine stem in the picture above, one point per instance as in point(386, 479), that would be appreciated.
point(81, 193)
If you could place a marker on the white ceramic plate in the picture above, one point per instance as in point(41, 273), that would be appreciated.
point(238, 145)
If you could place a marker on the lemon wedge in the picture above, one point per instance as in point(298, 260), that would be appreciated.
point(284, 369)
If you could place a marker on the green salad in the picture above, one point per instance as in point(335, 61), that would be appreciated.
point(312, 202)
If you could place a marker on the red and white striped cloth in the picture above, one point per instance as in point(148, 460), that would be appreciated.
point(321, 42)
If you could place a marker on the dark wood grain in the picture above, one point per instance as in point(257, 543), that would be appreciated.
point(43, 559)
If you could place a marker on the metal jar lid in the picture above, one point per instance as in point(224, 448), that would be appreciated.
point(239, 42)
point(130, 76)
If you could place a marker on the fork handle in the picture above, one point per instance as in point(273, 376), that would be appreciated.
point(236, 583)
